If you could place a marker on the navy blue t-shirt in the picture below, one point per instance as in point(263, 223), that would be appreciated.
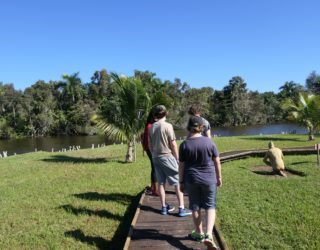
point(197, 153)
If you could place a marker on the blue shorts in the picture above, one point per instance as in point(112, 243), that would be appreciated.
point(202, 196)
point(166, 168)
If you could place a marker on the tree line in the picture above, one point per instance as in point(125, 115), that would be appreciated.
point(67, 106)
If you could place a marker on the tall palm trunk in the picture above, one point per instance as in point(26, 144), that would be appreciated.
point(129, 155)
point(311, 133)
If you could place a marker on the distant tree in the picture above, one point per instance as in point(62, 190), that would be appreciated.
point(73, 88)
point(290, 90)
point(11, 107)
point(313, 83)
point(236, 102)
point(6, 132)
point(99, 87)
point(271, 106)
point(40, 105)
point(306, 111)
point(123, 117)
point(217, 109)
point(255, 112)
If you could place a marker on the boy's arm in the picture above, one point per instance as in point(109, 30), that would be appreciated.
point(217, 165)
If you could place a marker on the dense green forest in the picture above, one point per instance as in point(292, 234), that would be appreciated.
point(66, 106)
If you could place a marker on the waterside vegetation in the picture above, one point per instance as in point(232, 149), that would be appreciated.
point(66, 106)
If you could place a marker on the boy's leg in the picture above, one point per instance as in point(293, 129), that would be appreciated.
point(210, 219)
point(162, 193)
point(179, 196)
point(196, 215)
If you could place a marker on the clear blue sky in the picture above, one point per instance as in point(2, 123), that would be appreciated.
point(204, 43)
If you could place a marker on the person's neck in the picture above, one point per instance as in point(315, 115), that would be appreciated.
point(193, 135)
point(161, 119)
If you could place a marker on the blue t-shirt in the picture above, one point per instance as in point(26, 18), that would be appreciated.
point(197, 153)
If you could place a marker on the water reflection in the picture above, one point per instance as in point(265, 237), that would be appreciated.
point(26, 145)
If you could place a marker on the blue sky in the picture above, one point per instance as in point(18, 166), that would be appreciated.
point(204, 43)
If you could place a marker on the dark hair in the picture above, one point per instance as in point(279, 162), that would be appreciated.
point(159, 111)
point(150, 118)
point(195, 124)
point(194, 109)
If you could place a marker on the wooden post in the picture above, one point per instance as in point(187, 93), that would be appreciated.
point(317, 147)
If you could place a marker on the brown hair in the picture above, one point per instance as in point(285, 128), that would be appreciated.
point(159, 111)
point(198, 129)
point(194, 109)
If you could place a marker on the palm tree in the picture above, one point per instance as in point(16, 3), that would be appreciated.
point(289, 90)
point(123, 117)
point(306, 111)
point(73, 87)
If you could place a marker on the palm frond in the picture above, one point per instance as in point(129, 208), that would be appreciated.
point(112, 132)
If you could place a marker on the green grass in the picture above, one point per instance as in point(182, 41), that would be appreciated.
point(86, 199)
point(258, 211)
point(71, 200)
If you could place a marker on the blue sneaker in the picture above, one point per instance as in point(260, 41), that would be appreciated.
point(184, 212)
point(167, 209)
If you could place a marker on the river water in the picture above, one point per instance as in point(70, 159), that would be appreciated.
point(25, 145)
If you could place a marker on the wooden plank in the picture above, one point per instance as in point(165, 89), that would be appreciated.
point(153, 230)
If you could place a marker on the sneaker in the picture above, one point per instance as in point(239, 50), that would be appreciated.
point(196, 236)
point(184, 212)
point(208, 241)
point(167, 209)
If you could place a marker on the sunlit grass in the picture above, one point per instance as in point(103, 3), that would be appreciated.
point(259, 211)
point(71, 200)
point(86, 199)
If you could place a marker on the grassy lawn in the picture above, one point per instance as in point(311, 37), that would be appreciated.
point(73, 200)
point(258, 211)
point(86, 199)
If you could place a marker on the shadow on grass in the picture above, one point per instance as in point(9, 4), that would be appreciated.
point(152, 234)
point(121, 233)
point(301, 162)
point(66, 158)
point(263, 172)
point(295, 172)
point(84, 211)
point(267, 171)
point(98, 242)
point(71, 159)
point(95, 196)
point(267, 138)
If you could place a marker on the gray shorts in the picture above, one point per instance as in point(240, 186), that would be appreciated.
point(166, 168)
point(202, 196)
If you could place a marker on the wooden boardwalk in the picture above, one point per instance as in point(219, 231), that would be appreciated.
point(151, 230)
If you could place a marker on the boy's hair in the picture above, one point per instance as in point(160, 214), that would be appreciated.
point(159, 111)
point(194, 109)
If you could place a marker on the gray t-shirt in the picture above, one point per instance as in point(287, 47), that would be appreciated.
point(206, 126)
point(197, 153)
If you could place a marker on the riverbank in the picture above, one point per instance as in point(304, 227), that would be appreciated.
point(61, 143)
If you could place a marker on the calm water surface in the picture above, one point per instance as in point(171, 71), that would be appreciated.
point(26, 145)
